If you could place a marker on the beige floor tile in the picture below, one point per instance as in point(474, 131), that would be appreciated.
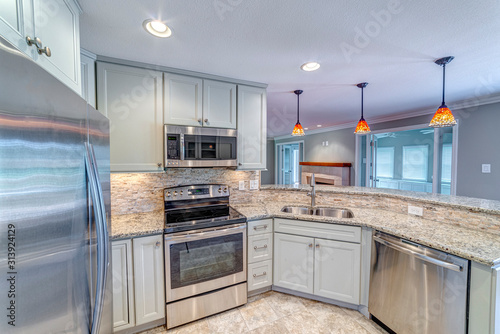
point(370, 326)
point(156, 330)
point(196, 327)
point(355, 314)
point(258, 314)
point(260, 296)
point(277, 327)
point(227, 322)
point(284, 304)
point(303, 322)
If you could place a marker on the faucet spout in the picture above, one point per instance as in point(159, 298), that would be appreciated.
point(313, 191)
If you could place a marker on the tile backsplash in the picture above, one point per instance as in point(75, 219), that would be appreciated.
point(143, 192)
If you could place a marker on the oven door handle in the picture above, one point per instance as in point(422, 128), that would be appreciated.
point(203, 234)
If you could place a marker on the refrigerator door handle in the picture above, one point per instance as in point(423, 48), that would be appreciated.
point(101, 243)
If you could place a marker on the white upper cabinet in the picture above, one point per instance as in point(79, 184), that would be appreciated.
point(88, 77)
point(252, 127)
point(131, 98)
point(193, 101)
point(55, 25)
point(219, 104)
point(183, 100)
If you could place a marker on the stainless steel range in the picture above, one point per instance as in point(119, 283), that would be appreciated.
point(205, 253)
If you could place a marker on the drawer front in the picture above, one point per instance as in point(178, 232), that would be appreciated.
point(260, 275)
point(260, 247)
point(260, 226)
point(318, 230)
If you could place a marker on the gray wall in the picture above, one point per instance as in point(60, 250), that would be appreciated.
point(267, 177)
point(477, 144)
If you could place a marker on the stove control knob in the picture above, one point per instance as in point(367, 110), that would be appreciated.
point(220, 190)
point(181, 193)
point(225, 189)
point(175, 193)
point(168, 193)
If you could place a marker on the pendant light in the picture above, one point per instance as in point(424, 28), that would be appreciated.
point(362, 127)
point(298, 130)
point(443, 116)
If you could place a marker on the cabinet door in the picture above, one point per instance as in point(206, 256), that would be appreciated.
point(123, 292)
point(219, 104)
point(252, 123)
point(293, 262)
point(183, 100)
point(87, 61)
point(337, 268)
point(57, 25)
point(16, 22)
point(148, 279)
point(131, 98)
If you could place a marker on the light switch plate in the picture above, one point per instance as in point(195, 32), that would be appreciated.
point(486, 168)
point(254, 184)
point(415, 210)
point(242, 185)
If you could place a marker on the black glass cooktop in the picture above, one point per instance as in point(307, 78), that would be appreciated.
point(193, 218)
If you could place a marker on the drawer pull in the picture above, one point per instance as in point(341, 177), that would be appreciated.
point(263, 247)
point(263, 274)
point(260, 227)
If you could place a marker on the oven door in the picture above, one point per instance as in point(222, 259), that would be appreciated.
point(204, 260)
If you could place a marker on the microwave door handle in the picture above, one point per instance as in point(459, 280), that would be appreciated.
point(96, 205)
point(183, 148)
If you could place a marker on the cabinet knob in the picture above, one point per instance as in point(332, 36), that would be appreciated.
point(317, 245)
point(310, 245)
point(159, 164)
point(200, 121)
point(158, 244)
point(38, 43)
point(240, 164)
point(206, 120)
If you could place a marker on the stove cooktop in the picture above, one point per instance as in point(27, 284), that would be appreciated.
point(188, 219)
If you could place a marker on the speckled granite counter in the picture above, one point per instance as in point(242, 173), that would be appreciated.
point(476, 239)
point(474, 245)
point(137, 224)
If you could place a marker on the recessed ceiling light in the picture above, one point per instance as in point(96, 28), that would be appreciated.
point(310, 66)
point(318, 125)
point(157, 28)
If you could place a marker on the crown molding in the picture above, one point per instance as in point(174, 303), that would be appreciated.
point(458, 105)
point(88, 54)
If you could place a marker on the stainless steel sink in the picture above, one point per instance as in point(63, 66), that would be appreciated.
point(325, 212)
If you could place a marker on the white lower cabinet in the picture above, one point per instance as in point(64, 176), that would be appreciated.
point(309, 263)
point(260, 254)
point(123, 285)
point(138, 284)
point(293, 262)
point(148, 279)
point(337, 267)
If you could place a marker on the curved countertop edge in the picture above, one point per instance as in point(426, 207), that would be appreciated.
point(469, 203)
point(420, 230)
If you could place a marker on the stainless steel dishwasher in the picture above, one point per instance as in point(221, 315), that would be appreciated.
point(416, 289)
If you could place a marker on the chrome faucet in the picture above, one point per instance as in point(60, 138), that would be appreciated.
point(313, 191)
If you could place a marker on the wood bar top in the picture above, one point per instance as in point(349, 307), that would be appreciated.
point(326, 164)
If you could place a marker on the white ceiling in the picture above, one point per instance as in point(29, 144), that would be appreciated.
point(267, 41)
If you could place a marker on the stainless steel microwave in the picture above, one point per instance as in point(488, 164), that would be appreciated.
point(189, 146)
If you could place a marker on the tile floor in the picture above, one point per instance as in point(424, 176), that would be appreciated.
point(274, 312)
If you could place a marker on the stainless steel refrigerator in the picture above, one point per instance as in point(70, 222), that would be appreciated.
point(55, 272)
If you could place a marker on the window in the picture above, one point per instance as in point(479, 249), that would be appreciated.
point(385, 162)
point(446, 163)
point(415, 162)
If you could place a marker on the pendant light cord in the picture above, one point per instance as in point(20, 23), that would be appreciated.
point(298, 95)
point(362, 88)
point(444, 78)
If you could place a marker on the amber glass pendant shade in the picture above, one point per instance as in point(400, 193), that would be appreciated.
point(297, 129)
point(362, 127)
point(443, 116)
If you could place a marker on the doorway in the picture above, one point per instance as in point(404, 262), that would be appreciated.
point(288, 157)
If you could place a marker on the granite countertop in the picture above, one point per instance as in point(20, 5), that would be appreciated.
point(475, 204)
point(471, 244)
point(479, 246)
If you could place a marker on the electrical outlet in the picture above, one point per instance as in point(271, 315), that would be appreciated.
point(486, 168)
point(242, 185)
point(254, 184)
point(326, 143)
point(415, 210)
